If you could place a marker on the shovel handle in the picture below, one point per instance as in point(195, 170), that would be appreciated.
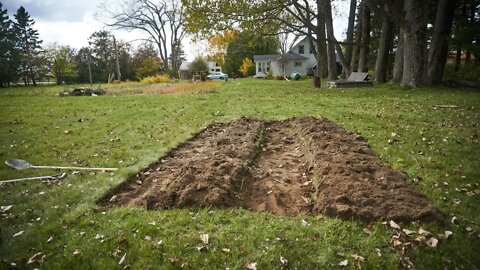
point(50, 177)
point(75, 168)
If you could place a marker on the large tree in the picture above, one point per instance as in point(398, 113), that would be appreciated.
point(205, 16)
point(29, 43)
point(62, 63)
point(9, 58)
point(102, 55)
point(162, 20)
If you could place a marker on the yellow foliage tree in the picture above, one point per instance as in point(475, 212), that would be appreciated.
point(247, 67)
point(218, 45)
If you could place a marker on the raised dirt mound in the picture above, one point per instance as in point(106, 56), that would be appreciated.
point(286, 167)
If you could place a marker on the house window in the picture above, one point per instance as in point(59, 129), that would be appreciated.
point(217, 70)
point(298, 63)
point(264, 67)
point(301, 49)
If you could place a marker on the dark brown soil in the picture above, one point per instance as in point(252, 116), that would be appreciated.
point(286, 167)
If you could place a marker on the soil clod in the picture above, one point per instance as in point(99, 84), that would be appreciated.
point(303, 164)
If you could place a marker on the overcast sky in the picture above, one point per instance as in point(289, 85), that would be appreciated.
point(71, 22)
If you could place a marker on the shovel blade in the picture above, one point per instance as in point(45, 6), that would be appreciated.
point(18, 164)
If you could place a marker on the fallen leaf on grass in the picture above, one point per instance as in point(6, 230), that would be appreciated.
point(305, 223)
point(408, 232)
point(122, 260)
point(394, 225)
point(445, 235)
point(148, 238)
point(423, 232)
point(5, 208)
point(251, 266)
point(152, 223)
point(358, 257)
point(18, 233)
point(454, 220)
point(283, 260)
point(378, 252)
point(241, 250)
point(432, 242)
point(226, 250)
point(367, 230)
point(343, 263)
point(49, 240)
point(457, 201)
point(204, 237)
point(76, 252)
point(38, 257)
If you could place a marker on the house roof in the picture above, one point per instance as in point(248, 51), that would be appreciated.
point(288, 56)
point(186, 65)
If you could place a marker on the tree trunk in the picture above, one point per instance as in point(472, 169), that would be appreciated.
point(358, 39)
point(351, 24)
point(365, 43)
point(458, 59)
point(331, 57)
point(398, 64)
point(439, 47)
point(381, 64)
point(415, 35)
point(321, 38)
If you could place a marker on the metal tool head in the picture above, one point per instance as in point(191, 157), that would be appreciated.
point(18, 164)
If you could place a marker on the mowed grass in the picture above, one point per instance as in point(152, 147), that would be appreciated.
point(437, 148)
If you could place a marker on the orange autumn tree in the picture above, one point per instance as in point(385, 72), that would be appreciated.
point(218, 46)
point(247, 68)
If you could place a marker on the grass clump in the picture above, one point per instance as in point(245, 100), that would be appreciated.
point(156, 79)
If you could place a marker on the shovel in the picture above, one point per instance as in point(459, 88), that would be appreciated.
point(22, 165)
point(48, 177)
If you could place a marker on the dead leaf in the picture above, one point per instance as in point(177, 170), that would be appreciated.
point(241, 250)
point(5, 208)
point(122, 260)
point(38, 257)
point(421, 231)
point(152, 223)
point(305, 223)
point(367, 230)
point(454, 220)
point(343, 263)
point(432, 242)
point(202, 248)
point(251, 266)
point(447, 234)
point(394, 225)
point(148, 238)
point(468, 229)
point(457, 201)
point(76, 252)
point(204, 237)
point(19, 233)
point(306, 200)
point(408, 232)
point(50, 239)
point(283, 260)
point(378, 252)
point(226, 250)
point(358, 257)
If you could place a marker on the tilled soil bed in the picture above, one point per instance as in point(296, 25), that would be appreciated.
point(302, 164)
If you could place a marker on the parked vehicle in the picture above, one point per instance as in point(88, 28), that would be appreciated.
point(217, 75)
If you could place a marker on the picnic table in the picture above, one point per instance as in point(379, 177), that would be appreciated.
point(356, 79)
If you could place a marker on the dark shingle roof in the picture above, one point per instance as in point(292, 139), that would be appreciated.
point(288, 56)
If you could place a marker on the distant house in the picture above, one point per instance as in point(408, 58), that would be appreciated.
point(299, 59)
point(184, 70)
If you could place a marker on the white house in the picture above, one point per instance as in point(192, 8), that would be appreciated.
point(184, 70)
point(299, 59)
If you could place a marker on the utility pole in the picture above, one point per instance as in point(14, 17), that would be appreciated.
point(89, 68)
point(119, 75)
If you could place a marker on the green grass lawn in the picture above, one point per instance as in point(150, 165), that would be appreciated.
point(437, 148)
